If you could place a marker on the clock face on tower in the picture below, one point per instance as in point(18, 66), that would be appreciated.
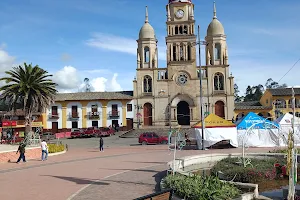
point(179, 13)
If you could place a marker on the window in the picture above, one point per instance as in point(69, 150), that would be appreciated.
point(217, 51)
point(181, 52)
point(94, 108)
point(129, 107)
point(95, 124)
point(114, 109)
point(174, 52)
point(185, 30)
point(189, 52)
point(146, 54)
point(75, 124)
point(147, 84)
point(219, 81)
point(54, 110)
point(74, 112)
point(267, 101)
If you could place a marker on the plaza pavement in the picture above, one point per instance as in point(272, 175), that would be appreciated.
point(120, 172)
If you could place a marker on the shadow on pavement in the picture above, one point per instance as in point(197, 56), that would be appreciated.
point(147, 162)
point(79, 180)
point(134, 170)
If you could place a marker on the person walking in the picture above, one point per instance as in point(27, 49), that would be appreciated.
point(44, 147)
point(21, 149)
point(101, 144)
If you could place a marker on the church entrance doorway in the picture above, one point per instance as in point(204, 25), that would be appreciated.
point(147, 114)
point(220, 109)
point(183, 113)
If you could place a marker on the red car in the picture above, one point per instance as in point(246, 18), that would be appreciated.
point(152, 138)
point(89, 132)
point(76, 133)
point(105, 132)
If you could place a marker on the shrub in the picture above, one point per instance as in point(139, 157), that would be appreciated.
point(54, 148)
point(196, 187)
point(232, 169)
point(281, 151)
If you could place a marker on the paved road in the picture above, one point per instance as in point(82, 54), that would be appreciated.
point(120, 172)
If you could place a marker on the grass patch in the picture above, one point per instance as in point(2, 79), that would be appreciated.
point(197, 187)
point(54, 148)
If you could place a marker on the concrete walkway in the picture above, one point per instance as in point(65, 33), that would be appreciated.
point(86, 173)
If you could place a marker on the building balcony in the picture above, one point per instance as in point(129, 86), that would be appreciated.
point(114, 114)
point(74, 116)
point(147, 94)
point(93, 115)
point(53, 116)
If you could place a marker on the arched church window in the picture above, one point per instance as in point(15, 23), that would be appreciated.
point(217, 51)
point(147, 84)
point(189, 52)
point(185, 30)
point(176, 30)
point(181, 52)
point(174, 52)
point(146, 54)
point(219, 81)
point(180, 30)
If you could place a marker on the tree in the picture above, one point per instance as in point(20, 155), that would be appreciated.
point(30, 85)
point(237, 97)
point(254, 93)
point(270, 84)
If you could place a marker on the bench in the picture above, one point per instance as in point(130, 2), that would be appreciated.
point(163, 195)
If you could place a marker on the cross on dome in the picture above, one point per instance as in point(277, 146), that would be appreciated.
point(180, 1)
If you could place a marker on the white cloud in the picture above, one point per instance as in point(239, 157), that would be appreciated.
point(67, 78)
point(119, 44)
point(6, 61)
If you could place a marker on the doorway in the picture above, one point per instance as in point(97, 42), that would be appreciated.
point(54, 127)
point(147, 114)
point(129, 123)
point(220, 109)
point(183, 113)
point(95, 124)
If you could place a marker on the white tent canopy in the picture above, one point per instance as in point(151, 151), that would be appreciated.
point(285, 123)
point(216, 130)
point(255, 131)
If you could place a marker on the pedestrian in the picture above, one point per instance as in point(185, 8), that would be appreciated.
point(44, 147)
point(21, 149)
point(101, 144)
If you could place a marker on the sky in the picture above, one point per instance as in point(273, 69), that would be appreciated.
point(96, 39)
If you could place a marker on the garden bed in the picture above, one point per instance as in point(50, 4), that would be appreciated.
point(268, 173)
point(196, 187)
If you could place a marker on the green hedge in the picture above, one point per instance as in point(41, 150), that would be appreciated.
point(54, 148)
point(281, 151)
point(231, 169)
point(197, 187)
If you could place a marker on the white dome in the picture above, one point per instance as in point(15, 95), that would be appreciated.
point(215, 28)
point(147, 32)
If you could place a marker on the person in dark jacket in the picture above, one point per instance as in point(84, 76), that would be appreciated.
point(101, 144)
point(21, 149)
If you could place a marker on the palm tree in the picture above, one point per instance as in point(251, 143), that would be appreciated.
point(32, 87)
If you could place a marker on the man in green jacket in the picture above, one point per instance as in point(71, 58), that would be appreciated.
point(21, 149)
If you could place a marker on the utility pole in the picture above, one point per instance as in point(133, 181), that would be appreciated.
point(201, 91)
point(292, 172)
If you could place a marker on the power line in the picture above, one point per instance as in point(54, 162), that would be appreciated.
point(289, 70)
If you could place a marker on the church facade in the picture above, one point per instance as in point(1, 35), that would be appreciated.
point(170, 96)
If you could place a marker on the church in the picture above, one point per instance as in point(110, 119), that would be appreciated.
point(170, 95)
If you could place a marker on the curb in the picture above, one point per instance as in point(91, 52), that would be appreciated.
point(57, 153)
point(124, 134)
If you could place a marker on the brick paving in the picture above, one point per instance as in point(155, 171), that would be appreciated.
point(62, 176)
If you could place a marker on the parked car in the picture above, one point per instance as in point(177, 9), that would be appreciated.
point(152, 138)
point(103, 132)
point(91, 131)
point(76, 133)
point(47, 136)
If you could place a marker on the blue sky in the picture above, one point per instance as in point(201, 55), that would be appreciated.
point(74, 39)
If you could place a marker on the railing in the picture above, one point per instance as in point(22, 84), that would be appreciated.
point(53, 116)
point(74, 115)
point(114, 114)
point(147, 94)
point(93, 115)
